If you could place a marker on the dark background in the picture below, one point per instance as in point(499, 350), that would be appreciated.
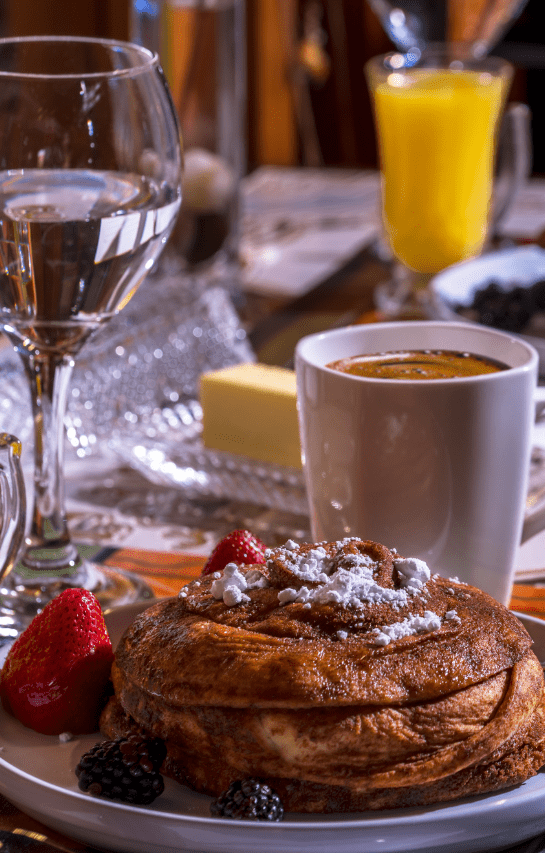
point(341, 126)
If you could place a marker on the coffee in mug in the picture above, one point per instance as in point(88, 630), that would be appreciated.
point(418, 364)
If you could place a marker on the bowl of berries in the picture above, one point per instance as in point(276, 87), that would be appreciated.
point(504, 289)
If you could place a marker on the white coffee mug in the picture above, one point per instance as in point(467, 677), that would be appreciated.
point(437, 468)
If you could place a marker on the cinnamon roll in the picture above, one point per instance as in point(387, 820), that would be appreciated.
point(346, 676)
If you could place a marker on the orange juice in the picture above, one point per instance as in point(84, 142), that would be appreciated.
point(437, 133)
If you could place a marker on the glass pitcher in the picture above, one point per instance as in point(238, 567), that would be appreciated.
point(12, 523)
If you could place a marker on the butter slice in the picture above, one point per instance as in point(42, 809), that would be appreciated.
point(250, 410)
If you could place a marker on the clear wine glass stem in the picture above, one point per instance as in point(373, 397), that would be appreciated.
point(48, 545)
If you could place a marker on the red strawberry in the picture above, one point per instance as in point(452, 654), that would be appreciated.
point(55, 675)
point(240, 547)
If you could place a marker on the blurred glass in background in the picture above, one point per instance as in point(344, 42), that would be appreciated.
point(476, 25)
point(202, 46)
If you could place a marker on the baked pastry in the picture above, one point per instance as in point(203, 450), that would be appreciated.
point(344, 675)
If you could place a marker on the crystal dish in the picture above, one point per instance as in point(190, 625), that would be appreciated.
point(202, 472)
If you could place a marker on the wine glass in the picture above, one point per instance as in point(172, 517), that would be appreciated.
point(90, 186)
point(437, 116)
point(474, 26)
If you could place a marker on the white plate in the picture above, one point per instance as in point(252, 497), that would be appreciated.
point(37, 774)
point(457, 284)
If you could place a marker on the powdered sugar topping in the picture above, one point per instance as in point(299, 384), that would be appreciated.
point(452, 616)
point(414, 573)
point(345, 579)
point(230, 585)
point(430, 621)
point(66, 737)
point(314, 565)
point(337, 575)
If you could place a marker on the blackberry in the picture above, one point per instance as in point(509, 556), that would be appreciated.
point(125, 769)
point(509, 309)
point(249, 799)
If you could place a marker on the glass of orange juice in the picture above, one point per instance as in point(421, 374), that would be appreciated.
point(437, 117)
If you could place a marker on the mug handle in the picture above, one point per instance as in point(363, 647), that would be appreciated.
point(513, 161)
point(534, 522)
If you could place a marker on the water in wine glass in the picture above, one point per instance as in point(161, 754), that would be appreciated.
point(74, 245)
point(476, 24)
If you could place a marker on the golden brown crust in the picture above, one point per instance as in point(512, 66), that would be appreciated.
point(266, 653)
point(520, 757)
point(345, 705)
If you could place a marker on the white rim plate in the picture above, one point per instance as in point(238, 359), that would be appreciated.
point(37, 775)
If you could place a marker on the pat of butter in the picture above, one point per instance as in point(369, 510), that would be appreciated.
point(250, 410)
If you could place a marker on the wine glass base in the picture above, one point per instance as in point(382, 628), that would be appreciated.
point(21, 598)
